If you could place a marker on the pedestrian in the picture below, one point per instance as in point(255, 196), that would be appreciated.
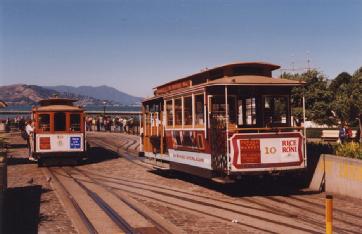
point(29, 131)
point(124, 123)
point(98, 124)
point(342, 134)
point(22, 124)
point(348, 132)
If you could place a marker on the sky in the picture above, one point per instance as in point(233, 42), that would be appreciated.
point(135, 45)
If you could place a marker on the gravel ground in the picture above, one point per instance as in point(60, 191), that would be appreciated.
point(33, 207)
point(31, 204)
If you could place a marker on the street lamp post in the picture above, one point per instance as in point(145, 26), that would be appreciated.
point(104, 107)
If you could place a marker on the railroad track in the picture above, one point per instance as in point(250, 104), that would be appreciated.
point(286, 214)
point(94, 208)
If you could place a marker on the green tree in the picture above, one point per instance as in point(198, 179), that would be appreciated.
point(347, 97)
point(317, 96)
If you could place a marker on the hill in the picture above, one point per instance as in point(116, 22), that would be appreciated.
point(22, 94)
point(101, 92)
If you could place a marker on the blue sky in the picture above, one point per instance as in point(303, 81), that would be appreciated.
point(135, 45)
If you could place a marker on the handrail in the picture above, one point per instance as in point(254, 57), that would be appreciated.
point(265, 129)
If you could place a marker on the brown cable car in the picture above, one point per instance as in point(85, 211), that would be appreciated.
point(224, 122)
point(59, 130)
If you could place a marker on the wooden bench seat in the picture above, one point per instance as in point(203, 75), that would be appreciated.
point(333, 135)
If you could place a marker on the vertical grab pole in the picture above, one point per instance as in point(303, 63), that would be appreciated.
point(329, 214)
point(140, 132)
point(304, 134)
point(227, 129)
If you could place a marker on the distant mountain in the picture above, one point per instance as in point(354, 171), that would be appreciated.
point(22, 94)
point(101, 92)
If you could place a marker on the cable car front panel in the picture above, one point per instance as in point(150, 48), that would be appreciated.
point(59, 131)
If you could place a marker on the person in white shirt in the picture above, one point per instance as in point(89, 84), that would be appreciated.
point(29, 130)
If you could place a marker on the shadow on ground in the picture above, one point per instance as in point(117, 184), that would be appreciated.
point(95, 155)
point(100, 154)
point(247, 186)
point(268, 185)
point(21, 208)
point(16, 161)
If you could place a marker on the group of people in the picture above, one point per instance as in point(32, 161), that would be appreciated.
point(111, 124)
point(18, 122)
point(346, 134)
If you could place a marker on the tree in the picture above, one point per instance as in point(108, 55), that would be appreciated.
point(343, 78)
point(317, 96)
point(347, 99)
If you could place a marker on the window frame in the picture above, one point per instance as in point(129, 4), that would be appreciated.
point(235, 97)
point(176, 125)
point(196, 125)
point(288, 111)
point(70, 123)
point(66, 121)
point(167, 114)
point(37, 125)
point(184, 125)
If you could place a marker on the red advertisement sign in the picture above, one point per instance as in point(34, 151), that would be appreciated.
point(44, 143)
point(249, 151)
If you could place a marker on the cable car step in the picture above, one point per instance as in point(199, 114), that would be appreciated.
point(161, 168)
point(223, 180)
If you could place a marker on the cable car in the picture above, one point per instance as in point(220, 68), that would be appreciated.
point(59, 130)
point(224, 122)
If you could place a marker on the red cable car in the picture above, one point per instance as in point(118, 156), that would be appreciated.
point(224, 122)
point(59, 130)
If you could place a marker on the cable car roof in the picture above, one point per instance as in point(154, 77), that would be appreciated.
point(254, 80)
point(57, 108)
point(57, 104)
point(242, 73)
point(267, 66)
point(57, 101)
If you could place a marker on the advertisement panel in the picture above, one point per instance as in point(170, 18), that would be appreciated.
point(59, 143)
point(266, 150)
point(190, 158)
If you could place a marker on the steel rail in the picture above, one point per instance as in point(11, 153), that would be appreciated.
point(127, 155)
point(138, 210)
point(116, 218)
point(90, 228)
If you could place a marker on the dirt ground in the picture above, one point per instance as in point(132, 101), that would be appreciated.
point(31, 205)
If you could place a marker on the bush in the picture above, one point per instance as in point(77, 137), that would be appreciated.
point(316, 149)
point(351, 150)
point(314, 132)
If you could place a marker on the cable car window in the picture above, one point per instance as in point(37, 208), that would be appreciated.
point(75, 122)
point(218, 107)
point(59, 121)
point(169, 113)
point(199, 109)
point(240, 113)
point(275, 110)
point(232, 109)
point(44, 122)
point(188, 110)
point(250, 110)
point(178, 111)
point(154, 108)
